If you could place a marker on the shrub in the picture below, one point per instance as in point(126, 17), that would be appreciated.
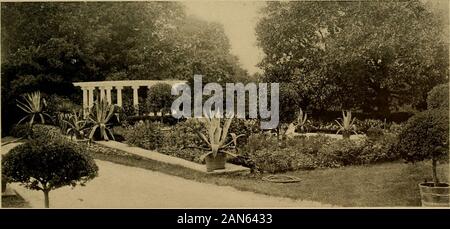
point(46, 133)
point(57, 104)
point(159, 98)
point(183, 134)
point(48, 165)
point(438, 97)
point(425, 136)
point(365, 125)
point(374, 132)
point(381, 149)
point(267, 154)
point(190, 154)
point(144, 134)
point(21, 131)
point(273, 161)
point(244, 127)
point(340, 153)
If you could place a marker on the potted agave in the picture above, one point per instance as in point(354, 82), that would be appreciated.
point(300, 124)
point(216, 146)
point(425, 137)
point(346, 125)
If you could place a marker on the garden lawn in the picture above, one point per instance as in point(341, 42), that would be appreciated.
point(14, 202)
point(381, 185)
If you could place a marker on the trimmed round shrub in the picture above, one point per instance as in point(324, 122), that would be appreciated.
point(438, 97)
point(144, 134)
point(425, 136)
point(48, 165)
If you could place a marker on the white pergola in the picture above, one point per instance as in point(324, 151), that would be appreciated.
point(104, 89)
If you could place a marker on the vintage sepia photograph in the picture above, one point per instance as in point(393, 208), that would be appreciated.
point(225, 105)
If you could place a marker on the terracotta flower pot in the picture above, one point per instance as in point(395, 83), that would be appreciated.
point(214, 163)
point(432, 196)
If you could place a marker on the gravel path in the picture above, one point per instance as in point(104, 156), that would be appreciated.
point(119, 186)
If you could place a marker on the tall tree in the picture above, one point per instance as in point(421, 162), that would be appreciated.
point(374, 55)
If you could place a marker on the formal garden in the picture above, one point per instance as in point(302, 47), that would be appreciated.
point(337, 142)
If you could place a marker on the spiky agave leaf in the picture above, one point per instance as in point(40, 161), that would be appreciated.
point(33, 105)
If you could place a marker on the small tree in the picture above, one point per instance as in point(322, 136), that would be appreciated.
point(425, 136)
point(45, 166)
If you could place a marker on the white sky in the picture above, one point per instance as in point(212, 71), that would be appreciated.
point(239, 19)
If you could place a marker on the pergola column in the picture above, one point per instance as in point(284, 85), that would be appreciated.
point(119, 95)
point(90, 99)
point(102, 94)
point(85, 101)
point(136, 99)
point(108, 94)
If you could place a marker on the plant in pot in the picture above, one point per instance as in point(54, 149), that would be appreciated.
point(216, 145)
point(299, 124)
point(425, 137)
point(346, 126)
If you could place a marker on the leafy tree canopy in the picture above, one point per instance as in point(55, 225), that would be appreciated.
point(374, 56)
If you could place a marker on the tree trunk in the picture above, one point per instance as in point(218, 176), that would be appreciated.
point(435, 178)
point(47, 201)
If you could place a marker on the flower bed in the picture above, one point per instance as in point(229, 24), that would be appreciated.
point(266, 153)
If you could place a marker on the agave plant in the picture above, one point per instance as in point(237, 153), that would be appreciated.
point(217, 136)
point(61, 121)
point(300, 122)
point(99, 117)
point(33, 105)
point(347, 124)
point(302, 118)
point(76, 125)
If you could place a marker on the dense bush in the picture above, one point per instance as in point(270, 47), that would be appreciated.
point(21, 131)
point(246, 127)
point(144, 134)
point(374, 132)
point(438, 97)
point(424, 135)
point(363, 126)
point(47, 133)
point(267, 154)
point(46, 165)
point(59, 104)
point(183, 134)
point(159, 98)
point(190, 154)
